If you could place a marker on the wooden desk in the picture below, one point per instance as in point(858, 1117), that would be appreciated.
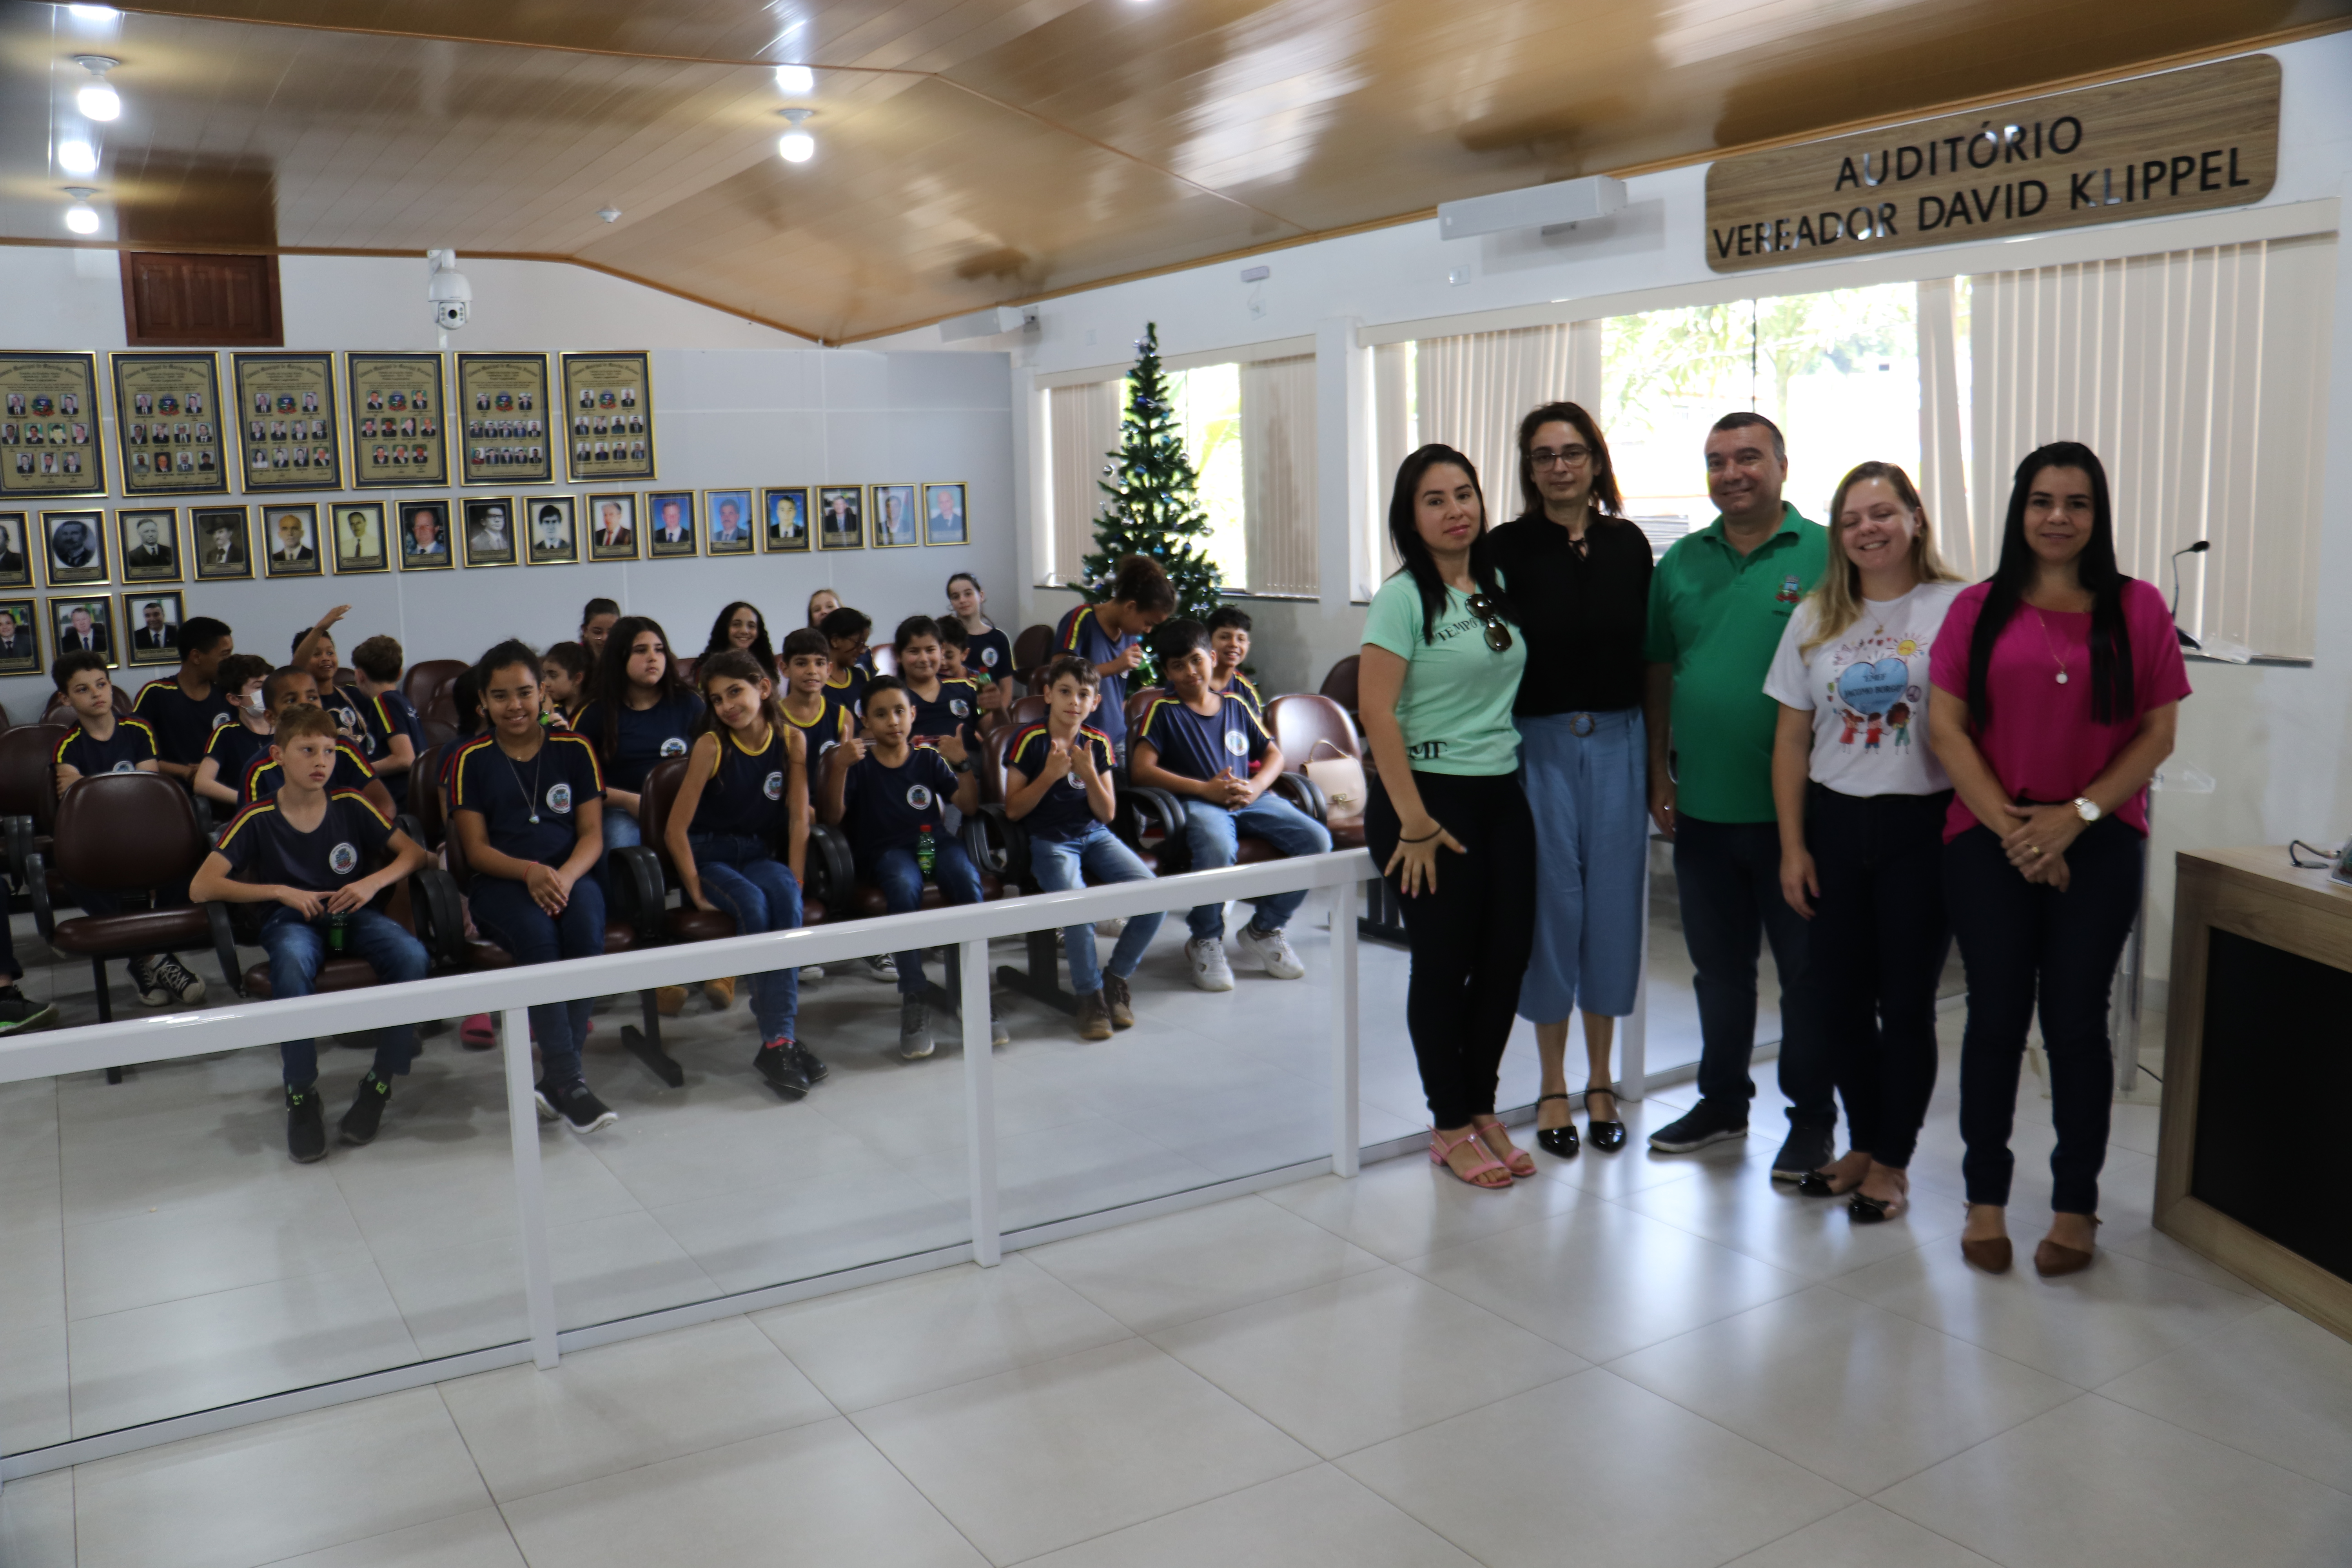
point(2252, 1167)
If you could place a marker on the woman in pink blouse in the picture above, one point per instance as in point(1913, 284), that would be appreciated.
point(2057, 685)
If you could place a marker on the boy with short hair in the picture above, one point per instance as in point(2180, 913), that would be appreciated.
point(235, 747)
point(1109, 636)
point(955, 664)
point(286, 690)
point(1210, 748)
point(845, 632)
point(394, 735)
point(314, 650)
point(1229, 645)
point(886, 790)
point(1057, 785)
point(99, 742)
point(184, 708)
point(805, 663)
point(302, 849)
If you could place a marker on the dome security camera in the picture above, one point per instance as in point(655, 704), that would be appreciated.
point(447, 289)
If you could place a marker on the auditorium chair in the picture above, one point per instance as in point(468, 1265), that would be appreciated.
point(427, 676)
point(431, 906)
point(1033, 650)
point(28, 791)
point(1340, 683)
point(1304, 723)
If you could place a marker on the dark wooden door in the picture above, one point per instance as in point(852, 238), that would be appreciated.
point(176, 299)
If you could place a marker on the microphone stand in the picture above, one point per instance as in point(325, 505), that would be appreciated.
point(2199, 547)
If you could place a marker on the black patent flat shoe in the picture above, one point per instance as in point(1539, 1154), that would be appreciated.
point(1816, 1185)
point(1606, 1136)
point(1559, 1141)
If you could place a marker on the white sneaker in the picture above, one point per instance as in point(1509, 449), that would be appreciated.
point(1209, 971)
point(1111, 929)
point(811, 973)
point(1272, 949)
point(881, 966)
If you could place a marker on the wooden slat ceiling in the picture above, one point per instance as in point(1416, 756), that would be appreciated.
point(971, 153)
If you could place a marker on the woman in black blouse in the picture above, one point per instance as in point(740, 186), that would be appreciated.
point(1579, 575)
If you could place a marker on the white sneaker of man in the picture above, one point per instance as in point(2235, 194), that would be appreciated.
point(1206, 955)
point(1272, 949)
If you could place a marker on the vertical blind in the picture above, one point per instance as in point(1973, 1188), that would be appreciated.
point(1278, 475)
point(1471, 392)
point(1081, 431)
point(1943, 468)
point(2200, 379)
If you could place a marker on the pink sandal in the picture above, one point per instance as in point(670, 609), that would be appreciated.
point(1494, 1123)
point(477, 1033)
point(1439, 1149)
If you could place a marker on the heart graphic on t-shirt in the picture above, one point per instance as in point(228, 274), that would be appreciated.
point(1873, 688)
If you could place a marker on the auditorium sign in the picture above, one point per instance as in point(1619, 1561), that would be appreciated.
point(2155, 146)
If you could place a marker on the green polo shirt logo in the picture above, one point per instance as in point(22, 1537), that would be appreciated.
point(1717, 616)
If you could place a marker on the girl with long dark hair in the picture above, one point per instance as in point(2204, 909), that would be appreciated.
point(1446, 820)
point(2057, 689)
point(743, 628)
point(639, 713)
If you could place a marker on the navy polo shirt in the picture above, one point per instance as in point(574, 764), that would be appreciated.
point(506, 795)
point(990, 654)
point(746, 790)
point(645, 737)
point(131, 743)
point(180, 724)
point(885, 807)
point(1202, 746)
point(953, 711)
point(1064, 810)
point(1081, 633)
point(265, 772)
point(260, 846)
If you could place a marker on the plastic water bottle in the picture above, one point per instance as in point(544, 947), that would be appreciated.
point(337, 924)
point(927, 851)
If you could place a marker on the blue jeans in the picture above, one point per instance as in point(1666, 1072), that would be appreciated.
point(901, 881)
point(507, 916)
point(621, 829)
point(1214, 833)
point(1093, 856)
point(297, 950)
point(743, 878)
point(1728, 878)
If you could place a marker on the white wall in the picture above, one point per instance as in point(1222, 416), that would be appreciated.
point(739, 405)
point(2276, 739)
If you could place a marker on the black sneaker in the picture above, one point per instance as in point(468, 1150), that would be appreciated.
point(914, 1029)
point(582, 1111)
point(811, 1063)
point(19, 1014)
point(305, 1126)
point(1705, 1123)
point(170, 975)
point(544, 1098)
point(1809, 1146)
point(780, 1065)
point(366, 1114)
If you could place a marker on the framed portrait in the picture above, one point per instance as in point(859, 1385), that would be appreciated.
point(50, 440)
point(607, 416)
point(550, 531)
point(943, 515)
point(287, 436)
point(20, 638)
point(78, 626)
point(397, 414)
point(222, 538)
point(167, 415)
point(425, 536)
point(73, 548)
point(489, 531)
point(727, 522)
point(150, 623)
point(289, 534)
point(357, 528)
point(147, 543)
point(840, 517)
point(669, 524)
point(891, 510)
point(503, 418)
point(15, 559)
point(785, 520)
point(613, 527)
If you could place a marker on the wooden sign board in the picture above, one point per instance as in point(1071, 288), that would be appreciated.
point(2155, 146)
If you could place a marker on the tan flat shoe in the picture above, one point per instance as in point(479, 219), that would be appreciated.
point(1992, 1255)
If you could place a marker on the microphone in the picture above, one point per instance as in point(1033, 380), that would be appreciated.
point(2199, 548)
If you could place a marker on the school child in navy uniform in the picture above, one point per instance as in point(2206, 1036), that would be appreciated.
point(821, 715)
point(639, 713)
point(1229, 645)
point(184, 708)
point(302, 849)
point(236, 745)
point(1210, 748)
point(395, 734)
point(845, 631)
point(945, 707)
point(746, 791)
point(1109, 636)
point(988, 652)
point(314, 650)
point(100, 742)
point(288, 690)
point(886, 791)
point(1057, 785)
point(528, 809)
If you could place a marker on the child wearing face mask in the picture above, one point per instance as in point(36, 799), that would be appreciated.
point(236, 744)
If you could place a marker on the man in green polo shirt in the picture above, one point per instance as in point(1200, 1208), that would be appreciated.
point(1717, 603)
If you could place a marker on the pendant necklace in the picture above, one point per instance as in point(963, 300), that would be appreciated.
point(530, 795)
point(2049, 648)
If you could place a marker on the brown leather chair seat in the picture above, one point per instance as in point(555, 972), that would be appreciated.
point(131, 933)
point(335, 974)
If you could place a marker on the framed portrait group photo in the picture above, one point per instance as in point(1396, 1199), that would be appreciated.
point(776, 519)
point(81, 551)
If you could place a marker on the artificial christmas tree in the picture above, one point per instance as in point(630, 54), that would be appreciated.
point(1150, 494)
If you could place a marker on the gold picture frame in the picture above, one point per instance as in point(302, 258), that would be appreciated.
point(486, 527)
point(671, 513)
point(96, 636)
point(613, 526)
point(73, 548)
point(15, 549)
point(296, 550)
point(167, 414)
point(501, 420)
point(54, 392)
point(607, 416)
point(726, 535)
point(220, 541)
point(840, 517)
point(358, 531)
point(147, 545)
point(418, 551)
point(405, 390)
point(946, 514)
point(784, 519)
point(551, 530)
point(893, 516)
point(140, 643)
point(20, 638)
point(290, 436)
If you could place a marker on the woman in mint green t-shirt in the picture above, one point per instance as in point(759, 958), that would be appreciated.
point(1446, 820)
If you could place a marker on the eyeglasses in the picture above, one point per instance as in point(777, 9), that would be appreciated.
point(1490, 615)
point(1564, 457)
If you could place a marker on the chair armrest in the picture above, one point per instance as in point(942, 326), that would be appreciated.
point(1305, 793)
point(36, 883)
point(639, 894)
point(1143, 806)
point(225, 946)
point(998, 844)
point(206, 823)
point(19, 828)
point(833, 870)
point(440, 916)
point(406, 822)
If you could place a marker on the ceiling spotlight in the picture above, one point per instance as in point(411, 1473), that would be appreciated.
point(795, 81)
point(98, 100)
point(796, 145)
point(81, 218)
point(610, 215)
point(77, 157)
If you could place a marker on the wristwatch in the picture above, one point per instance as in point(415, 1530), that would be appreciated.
point(2087, 809)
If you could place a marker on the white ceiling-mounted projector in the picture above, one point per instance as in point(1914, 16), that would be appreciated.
point(989, 323)
point(1536, 206)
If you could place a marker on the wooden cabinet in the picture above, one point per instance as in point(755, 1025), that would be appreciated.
point(189, 300)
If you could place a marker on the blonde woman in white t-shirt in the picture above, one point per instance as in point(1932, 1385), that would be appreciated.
point(1861, 803)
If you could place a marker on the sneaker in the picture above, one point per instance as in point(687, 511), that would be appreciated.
point(780, 1063)
point(1705, 1123)
point(582, 1111)
point(719, 994)
point(1111, 929)
point(20, 1014)
point(1094, 1017)
point(811, 1063)
point(998, 1035)
point(366, 1114)
point(880, 966)
point(1206, 954)
point(544, 1098)
point(1809, 1147)
point(914, 1028)
point(1272, 949)
point(182, 988)
point(148, 983)
point(669, 1001)
point(305, 1126)
point(1118, 1000)
point(812, 972)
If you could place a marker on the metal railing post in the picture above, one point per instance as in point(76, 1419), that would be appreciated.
point(1347, 1110)
point(980, 1104)
point(531, 1184)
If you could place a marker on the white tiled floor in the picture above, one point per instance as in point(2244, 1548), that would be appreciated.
point(1631, 1359)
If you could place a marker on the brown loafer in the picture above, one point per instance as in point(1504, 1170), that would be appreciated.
point(2050, 1259)
point(1992, 1255)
